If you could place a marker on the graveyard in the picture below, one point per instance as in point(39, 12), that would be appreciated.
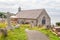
point(13, 31)
point(29, 19)
point(26, 31)
point(20, 33)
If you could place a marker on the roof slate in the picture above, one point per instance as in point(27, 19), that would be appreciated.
point(33, 14)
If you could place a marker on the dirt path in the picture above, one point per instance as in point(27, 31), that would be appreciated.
point(36, 35)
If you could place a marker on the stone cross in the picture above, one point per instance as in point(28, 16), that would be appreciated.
point(8, 21)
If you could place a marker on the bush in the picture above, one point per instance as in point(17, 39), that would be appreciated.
point(3, 25)
point(58, 23)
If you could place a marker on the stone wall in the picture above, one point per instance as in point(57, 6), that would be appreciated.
point(47, 18)
point(30, 21)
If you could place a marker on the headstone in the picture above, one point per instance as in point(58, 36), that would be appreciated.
point(32, 24)
point(48, 27)
point(4, 32)
point(17, 26)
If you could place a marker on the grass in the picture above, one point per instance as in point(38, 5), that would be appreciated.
point(16, 34)
point(3, 25)
point(20, 34)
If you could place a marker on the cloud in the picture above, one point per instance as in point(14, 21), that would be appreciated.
point(29, 4)
point(52, 6)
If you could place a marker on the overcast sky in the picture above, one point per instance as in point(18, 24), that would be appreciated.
point(52, 7)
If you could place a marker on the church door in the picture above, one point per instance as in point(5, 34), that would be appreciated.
point(43, 21)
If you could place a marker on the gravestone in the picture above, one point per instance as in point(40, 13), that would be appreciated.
point(3, 32)
point(32, 25)
point(17, 26)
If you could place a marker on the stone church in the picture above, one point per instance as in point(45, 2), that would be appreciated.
point(34, 16)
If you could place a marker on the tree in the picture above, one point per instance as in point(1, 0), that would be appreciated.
point(2, 15)
point(58, 23)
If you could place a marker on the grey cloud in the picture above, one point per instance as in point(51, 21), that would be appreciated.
point(7, 3)
point(53, 9)
point(8, 10)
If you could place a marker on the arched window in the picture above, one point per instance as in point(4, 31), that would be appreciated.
point(43, 21)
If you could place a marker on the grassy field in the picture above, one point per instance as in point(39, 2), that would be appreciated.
point(16, 34)
point(20, 34)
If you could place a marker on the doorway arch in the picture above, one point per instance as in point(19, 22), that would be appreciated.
point(43, 21)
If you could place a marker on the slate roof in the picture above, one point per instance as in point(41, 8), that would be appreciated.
point(33, 14)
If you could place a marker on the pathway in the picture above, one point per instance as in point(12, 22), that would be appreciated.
point(36, 35)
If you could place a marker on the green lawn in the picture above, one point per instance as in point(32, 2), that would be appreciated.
point(20, 34)
point(16, 34)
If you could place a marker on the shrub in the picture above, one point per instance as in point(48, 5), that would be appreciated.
point(58, 23)
point(3, 25)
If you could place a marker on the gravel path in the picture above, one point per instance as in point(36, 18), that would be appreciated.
point(36, 35)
